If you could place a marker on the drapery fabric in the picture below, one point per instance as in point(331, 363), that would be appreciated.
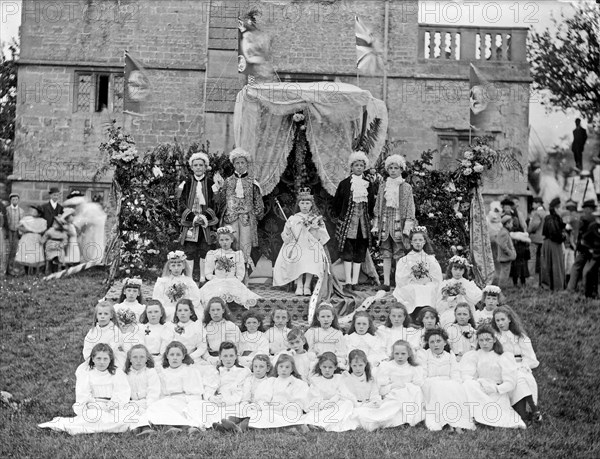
point(481, 247)
point(333, 112)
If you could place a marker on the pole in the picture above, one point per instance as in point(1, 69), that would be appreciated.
point(385, 50)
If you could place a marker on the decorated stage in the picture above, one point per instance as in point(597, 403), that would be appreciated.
point(296, 305)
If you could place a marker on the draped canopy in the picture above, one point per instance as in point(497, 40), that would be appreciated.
point(333, 112)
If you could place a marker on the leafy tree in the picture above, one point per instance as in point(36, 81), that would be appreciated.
point(8, 104)
point(567, 62)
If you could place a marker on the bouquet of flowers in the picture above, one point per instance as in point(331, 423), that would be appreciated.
point(313, 221)
point(176, 292)
point(126, 317)
point(179, 329)
point(420, 271)
point(453, 289)
point(224, 263)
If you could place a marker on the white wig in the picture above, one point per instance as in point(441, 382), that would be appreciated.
point(358, 156)
point(239, 153)
point(395, 159)
point(202, 156)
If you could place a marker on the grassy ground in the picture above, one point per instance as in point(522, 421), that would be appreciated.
point(42, 330)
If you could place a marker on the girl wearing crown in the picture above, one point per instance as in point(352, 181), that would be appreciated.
point(302, 253)
point(352, 206)
point(457, 288)
point(225, 271)
point(418, 274)
point(196, 206)
point(175, 284)
point(394, 215)
point(242, 197)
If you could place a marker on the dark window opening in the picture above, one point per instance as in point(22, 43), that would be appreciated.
point(102, 86)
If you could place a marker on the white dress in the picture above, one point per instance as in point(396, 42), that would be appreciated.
point(251, 345)
point(101, 404)
point(322, 340)
point(191, 335)
point(483, 317)
point(330, 405)
point(302, 251)
point(305, 362)
point(277, 339)
point(445, 307)
point(281, 402)
point(526, 360)
point(217, 332)
point(366, 399)
point(390, 335)
point(156, 338)
point(459, 343)
point(230, 386)
point(445, 396)
point(162, 293)
point(371, 345)
point(109, 334)
point(133, 306)
point(145, 390)
point(180, 402)
point(481, 371)
point(225, 284)
point(72, 252)
point(413, 292)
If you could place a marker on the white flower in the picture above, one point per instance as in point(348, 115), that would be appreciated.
point(467, 171)
point(458, 215)
point(431, 215)
point(478, 167)
point(449, 232)
point(157, 171)
point(468, 154)
point(298, 117)
point(459, 198)
point(466, 163)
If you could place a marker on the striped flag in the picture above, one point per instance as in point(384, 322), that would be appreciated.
point(369, 51)
point(482, 97)
point(137, 86)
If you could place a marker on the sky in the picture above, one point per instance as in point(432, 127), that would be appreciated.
point(546, 129)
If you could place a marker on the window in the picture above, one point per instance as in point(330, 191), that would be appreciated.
point(96, 91)
point(449, 147)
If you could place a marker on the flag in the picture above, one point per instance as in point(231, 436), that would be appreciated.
point(369, 51)
point(137, 86)
point(482, 97)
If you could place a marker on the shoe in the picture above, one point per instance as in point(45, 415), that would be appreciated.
point(230, 426)
point(303, 429)
point(218, 427)
point(536, 417)
point(385, 288)
point(173, 431)
point(145, 432)
point(458, 430)
point(244, 424)
point(193, 431)
point(307, 291)
point(299, 291)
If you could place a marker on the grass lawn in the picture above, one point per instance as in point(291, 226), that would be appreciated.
point(42, 331)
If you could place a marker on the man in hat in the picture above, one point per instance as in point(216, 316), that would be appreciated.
point(591, 241)
point(14, 214)
point(52, 208)
point(582, 255)
point(579, 139)
point(535, 227)
point(196, 206)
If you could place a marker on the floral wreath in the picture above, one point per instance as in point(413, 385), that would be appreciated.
point(418, 229)
point(226, 230)
point(492, 289)
point(133, 282)
point(460, 261)
point(178, 255)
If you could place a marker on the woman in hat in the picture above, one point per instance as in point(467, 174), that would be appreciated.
point(519, 270)
point(30, 252)
point(506, 251)
point(553, 259)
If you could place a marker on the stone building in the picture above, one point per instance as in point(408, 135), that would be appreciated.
point(71, 77)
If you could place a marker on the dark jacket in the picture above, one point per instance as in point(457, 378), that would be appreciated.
point(48, 213)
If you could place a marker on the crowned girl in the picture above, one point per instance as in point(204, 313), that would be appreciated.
point(302, 255)
point(418, 274)
point(225, 272)
point(176, 283)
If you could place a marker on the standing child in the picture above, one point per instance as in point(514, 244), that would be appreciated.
point(302, 253)
point(181, 393)
point(353, 206)
point(394, 215)
point(225, 271)
point(131, 298)
point(55, 240)
point(400, 381)
point(105, 330)
point(324, 334)
point(457, 288)
point(188, 330)
point(101, 395)
point(298, 348)
point(281, 324)
point(176, 283)
point(282, 399)
point(219, 328)
point(154, 330)
point(491, 299)
point(418, 275)
point(72, 251)
point(363, 391)
point(513, 339)
point(445, 396)
point(253, 340)
point(145, 386)
point(330, 405)
point(361, 335)
point(398, 326)
point(489, 375)
point(30, 249)
point(461, 334)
